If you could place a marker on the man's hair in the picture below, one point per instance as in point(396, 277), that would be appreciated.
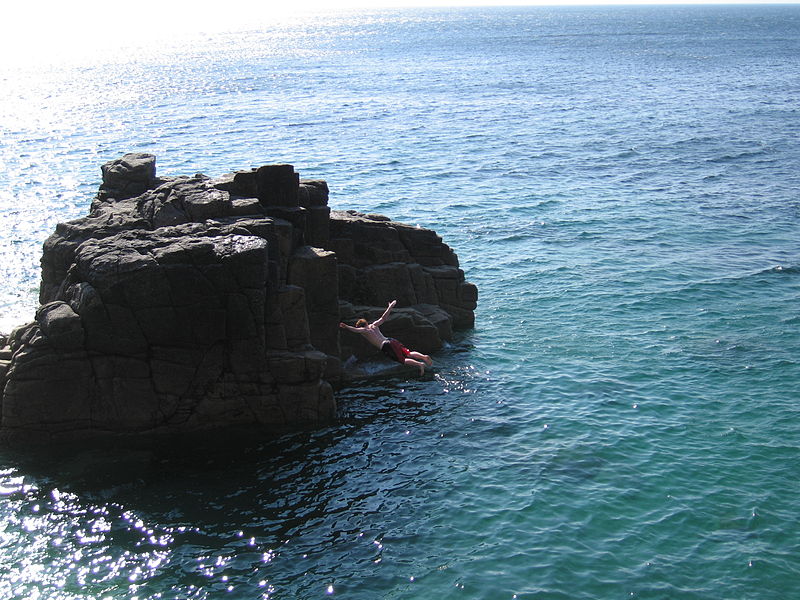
point(361, 323)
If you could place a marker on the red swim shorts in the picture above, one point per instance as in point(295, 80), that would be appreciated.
point(395, 350)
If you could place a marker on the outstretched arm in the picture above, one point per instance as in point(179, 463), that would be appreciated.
point(349, 328)
point(386, 313)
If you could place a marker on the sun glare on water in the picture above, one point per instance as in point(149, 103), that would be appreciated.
point(54, 31)
point(90, 31)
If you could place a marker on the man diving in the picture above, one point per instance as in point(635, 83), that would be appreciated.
point(389, 346)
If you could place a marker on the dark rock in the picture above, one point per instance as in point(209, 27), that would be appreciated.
point(277, 185)
point(317, 230)
point(186, 304)
point(294, 318)
point(241, 207)
point(381, 260)
point(313, 193)
point(295, 216)
point(241, 183)
point(373, 240)
point(314, 270)
point(128, 176)
point(61, 325)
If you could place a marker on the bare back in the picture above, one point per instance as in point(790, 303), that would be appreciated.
point(373, 335)
point(372, 330)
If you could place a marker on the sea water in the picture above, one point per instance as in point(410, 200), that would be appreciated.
point(623, 186)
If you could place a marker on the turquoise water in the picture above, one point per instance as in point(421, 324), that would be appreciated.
point(622, 186)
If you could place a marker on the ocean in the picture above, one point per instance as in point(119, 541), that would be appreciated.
point(623, 186)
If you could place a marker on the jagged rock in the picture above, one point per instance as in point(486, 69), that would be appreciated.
point(128, 176)
point(189, 303)
point(241, 183)
point(277, 185)
point(314, 270)
point(317, 231)
point(61, 325)
point(294, 317)
point(381, 260)
point(362, 241)
point(313, 193)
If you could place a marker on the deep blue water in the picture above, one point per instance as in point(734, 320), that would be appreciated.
point(622, 184)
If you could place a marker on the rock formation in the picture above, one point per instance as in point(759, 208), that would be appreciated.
point(190, 303)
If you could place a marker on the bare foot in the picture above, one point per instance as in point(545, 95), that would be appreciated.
point(427, 359)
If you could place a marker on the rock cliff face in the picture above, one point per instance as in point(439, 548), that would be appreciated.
point(191, 303)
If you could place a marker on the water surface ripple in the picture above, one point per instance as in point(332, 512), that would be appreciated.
point(620, 183)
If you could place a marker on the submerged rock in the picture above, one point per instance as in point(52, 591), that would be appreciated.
point(187, 304)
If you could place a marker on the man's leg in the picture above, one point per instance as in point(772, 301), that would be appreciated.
point(423, 357)
point(415, 363)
